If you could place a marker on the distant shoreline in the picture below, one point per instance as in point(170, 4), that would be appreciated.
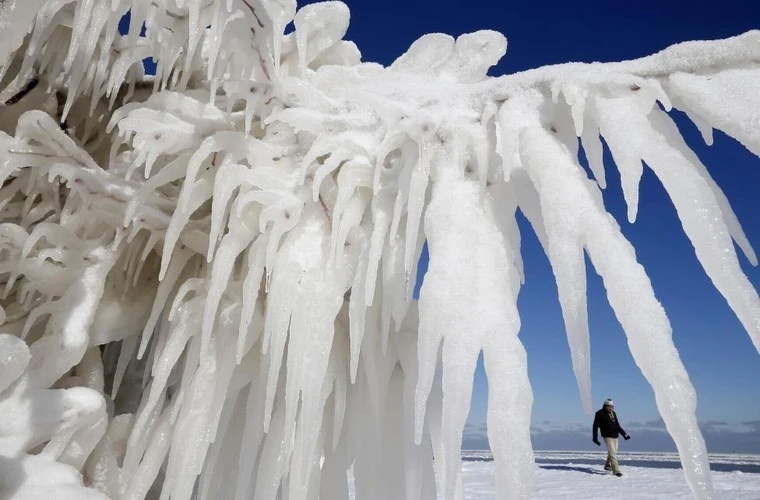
point(719, 462)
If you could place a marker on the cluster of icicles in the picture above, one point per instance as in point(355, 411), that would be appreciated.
point(206, 273)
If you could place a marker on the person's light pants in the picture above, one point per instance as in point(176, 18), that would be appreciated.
point(612, 447)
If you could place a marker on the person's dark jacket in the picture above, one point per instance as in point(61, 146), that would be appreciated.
point(608, 423)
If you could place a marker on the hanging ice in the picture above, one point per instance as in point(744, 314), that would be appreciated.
point(206, 273)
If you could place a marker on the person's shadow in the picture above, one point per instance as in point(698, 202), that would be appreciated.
point(587, 470)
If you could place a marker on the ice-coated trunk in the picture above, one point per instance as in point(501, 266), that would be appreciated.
point(467, 303)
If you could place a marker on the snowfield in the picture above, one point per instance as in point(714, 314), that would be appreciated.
point(650, 476)
point(646, 476)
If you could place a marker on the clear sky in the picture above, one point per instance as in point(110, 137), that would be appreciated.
point(722, 363)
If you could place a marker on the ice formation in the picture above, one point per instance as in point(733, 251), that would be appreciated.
point(207, 272)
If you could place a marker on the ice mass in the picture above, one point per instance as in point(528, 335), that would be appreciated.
point(206, 274)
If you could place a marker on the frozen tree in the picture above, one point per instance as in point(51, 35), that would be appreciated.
point(206, 273)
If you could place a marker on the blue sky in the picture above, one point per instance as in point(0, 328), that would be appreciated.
point(723, 365)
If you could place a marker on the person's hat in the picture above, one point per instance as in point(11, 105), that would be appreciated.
point(608, 402)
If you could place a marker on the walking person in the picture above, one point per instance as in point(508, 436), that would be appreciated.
point(606, 421)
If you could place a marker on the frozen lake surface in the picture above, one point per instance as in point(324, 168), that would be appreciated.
point(650, 476)
point(646, 476)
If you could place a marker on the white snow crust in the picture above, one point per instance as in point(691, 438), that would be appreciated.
point(570, 475)
point(646, 476)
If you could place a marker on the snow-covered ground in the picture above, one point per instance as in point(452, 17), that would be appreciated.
point(564, 475)
point(650, 476)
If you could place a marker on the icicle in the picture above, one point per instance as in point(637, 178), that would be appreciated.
point(271, 463)
point(232, 245)
point(295, 272)
point(576, 97)
point(509, 138)
point(253, 430)
point(561, 238)
point(186, 456)
point(251, 290)
point(417, 192)
point(693, 192)
point(284, 212)
point(182, 331)
point(350, 203)
point(592, 145)
point(202, 191)
point(222, 457)
point(410, 156)
point(334, 482)
point(211, 146)
point(382, 203)
point(483, 145)
point(128, 347)
point(328, 167)
point(627, 160)
point(705, 129)
point(357, 304)
point(727, 100)
point(16, 19)
point(350, 219)
point(165, 288)
point(312, 333)
point(388, 156)
point(228, 178)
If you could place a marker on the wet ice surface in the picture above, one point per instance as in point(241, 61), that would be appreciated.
point(646, 476)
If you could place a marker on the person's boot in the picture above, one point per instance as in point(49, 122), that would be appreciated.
point(607, 467)
point(618, 473)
